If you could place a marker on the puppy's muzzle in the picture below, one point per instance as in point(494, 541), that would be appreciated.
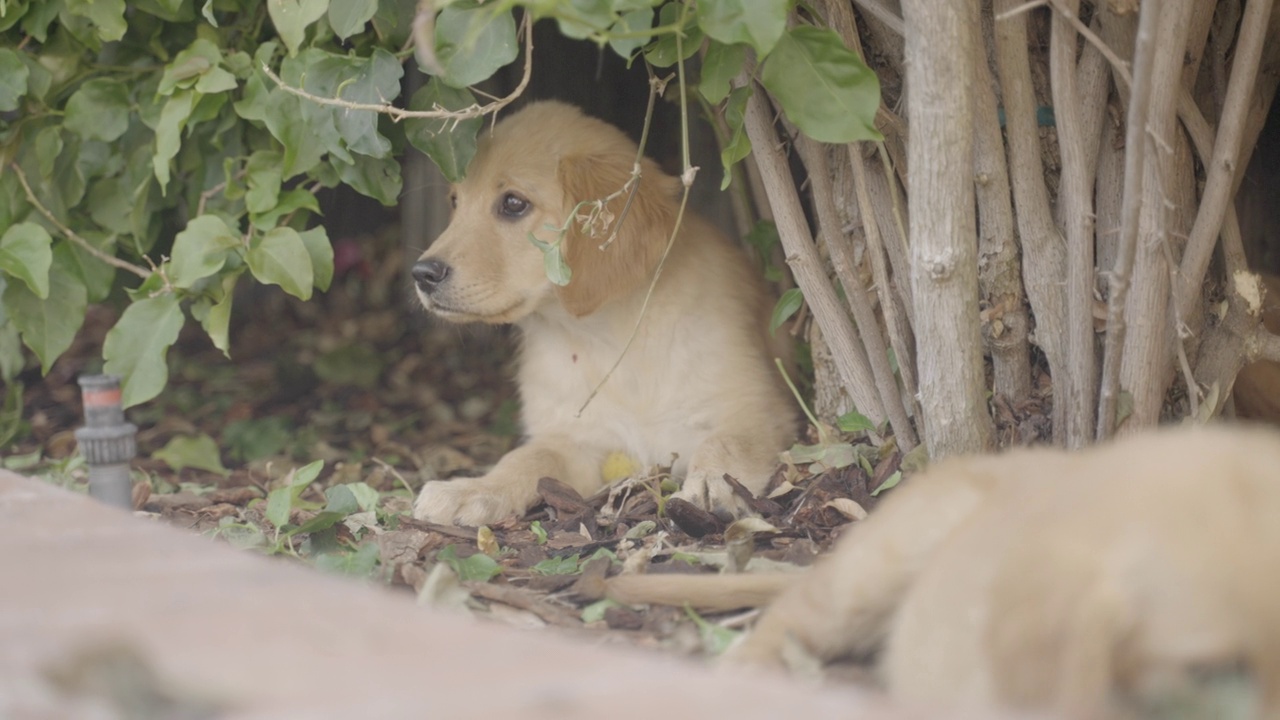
point(429, 274)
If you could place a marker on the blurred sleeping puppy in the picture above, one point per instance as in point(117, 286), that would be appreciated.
point(699, 380)
point(1130, 580)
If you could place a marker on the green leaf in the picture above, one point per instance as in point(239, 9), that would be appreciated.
point(854, 421)
point(289, 201)
point(557, 269)
point(25, 253)
point(106, 16)
point(758, 23)
point(36, 22)
point(476, 567)
point(47, 325)
point(823, 87)
point(217, 321)
point(292, 17)
point(339, 504)
point(264, 174)
point(10, 408)
point(282, 114)
point(320, 249)
point(662, 52)
point(280, 501)
point(720, 65)
point(13, 79)
point(366, 497)
point(473, 41)
point(595, 611)
point(360, 563)
point(188, 66)
point(787, 306)
point(580, 19)
point(715, 638)
point(91, 273)
point(12, 12)
point(192, 451)
point(378, 178)
point(372, 80)
point(200, 250)
point(280, 258)
point(136, 347)
point(216, 80)
point(99, 110)
point(348, 17)
point(307, 474)
point(568, 565)
point(173, 118)
point(539, 532)
point(451, 145)
point(738, 146)
point(11, 358)
point(889, 483)
point(634, 21)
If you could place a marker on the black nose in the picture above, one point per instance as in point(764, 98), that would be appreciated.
point(429, 273)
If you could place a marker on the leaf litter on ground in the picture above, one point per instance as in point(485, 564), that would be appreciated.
point(314, 440)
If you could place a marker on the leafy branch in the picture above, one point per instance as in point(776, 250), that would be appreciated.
point(70, 234)
point(475, 110)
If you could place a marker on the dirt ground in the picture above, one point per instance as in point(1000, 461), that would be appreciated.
point(388, 399)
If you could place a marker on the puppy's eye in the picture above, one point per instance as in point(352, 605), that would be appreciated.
point(512, 206)
point(453, 200)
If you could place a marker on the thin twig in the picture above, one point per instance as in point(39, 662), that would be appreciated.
point(813, 154)
point(686, 178)
point(1220, 170)
point(1077, 389)
point(1135, 152)
point(397, 113)
point(656, 87)
point(70, 234)
point(802, 256)
point(1014, 12)
point(1123, 67)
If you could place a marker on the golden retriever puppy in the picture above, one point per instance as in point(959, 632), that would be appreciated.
point(1112, 582)
point(698, 381)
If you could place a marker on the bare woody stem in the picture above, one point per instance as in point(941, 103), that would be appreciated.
point(1221, 169)
point(802, 256)
point(813, 154)
point(1135, 153)
point(1077, 388)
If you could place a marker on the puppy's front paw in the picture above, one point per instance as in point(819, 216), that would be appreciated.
point(711, 492)
point(464, 501)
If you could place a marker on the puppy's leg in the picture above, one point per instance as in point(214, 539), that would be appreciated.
point(511, 487)
point(844, 606)
point(748, 459)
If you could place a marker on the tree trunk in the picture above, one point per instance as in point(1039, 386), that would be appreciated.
point(941, 40)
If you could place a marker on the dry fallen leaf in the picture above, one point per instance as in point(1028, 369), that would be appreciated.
point(486, 541)
point(849, 508)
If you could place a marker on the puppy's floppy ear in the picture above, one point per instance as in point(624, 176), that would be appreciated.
point(629, 261)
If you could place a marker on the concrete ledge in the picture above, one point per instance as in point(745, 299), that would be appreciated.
point(84, 587)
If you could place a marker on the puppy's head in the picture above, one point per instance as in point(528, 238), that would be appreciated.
point(530, 172)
